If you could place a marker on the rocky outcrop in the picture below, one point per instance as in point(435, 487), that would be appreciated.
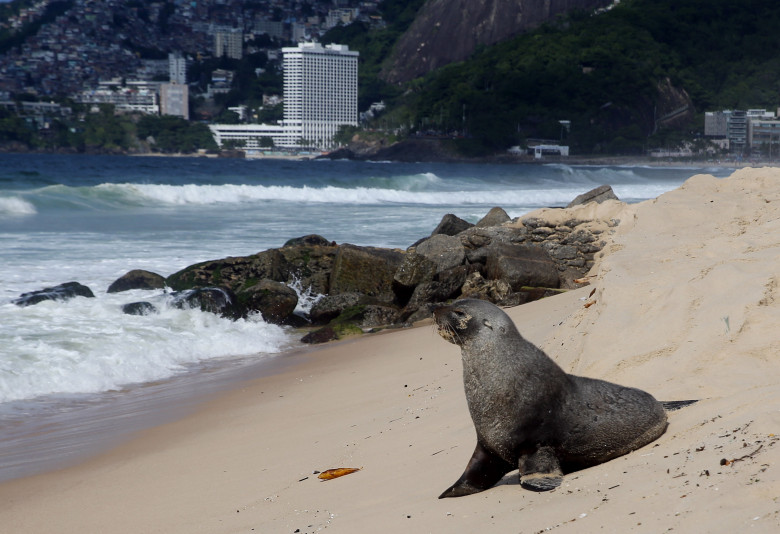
point(139, 308)
point(308, 259)
point(598, 195)
point(452, 225)
point(137, 279)
point(217, 300)
point(274, 300)
point(365, 270)
point(495, 217)
point(522, 266)
point(64, 291)
point(446, 31)
point(506, 261)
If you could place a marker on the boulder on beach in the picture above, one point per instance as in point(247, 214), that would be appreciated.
point(598, 195)
point(522, 265)
point(366, 270)
point(495, 217)
point(274, 300)
point(209, 299)
point(137, 279)
point(139, 308)
point(65, 291)
point(451, 225)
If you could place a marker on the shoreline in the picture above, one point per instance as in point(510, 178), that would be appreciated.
point(580, 160)
point(56, 432)
point(684, 303)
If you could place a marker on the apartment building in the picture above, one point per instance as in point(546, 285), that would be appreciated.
point(177, 68)
point(320, 91)
point(229, 43)
point(174, 100)
point(743, 130)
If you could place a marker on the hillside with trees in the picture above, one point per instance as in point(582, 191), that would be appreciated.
point(616, 76)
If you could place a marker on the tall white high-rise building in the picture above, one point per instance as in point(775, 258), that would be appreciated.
point(320, 91)
point(177, 68)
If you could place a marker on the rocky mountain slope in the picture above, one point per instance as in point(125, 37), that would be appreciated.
point(447, 31)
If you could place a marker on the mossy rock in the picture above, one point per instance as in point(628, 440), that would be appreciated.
point(274, 300)
point(347, 330)
point(365, 270)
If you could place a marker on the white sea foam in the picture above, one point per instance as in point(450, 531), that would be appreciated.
point(163, 217)
point(14, 206)
point(306, 297)
point(89, 345)
point(247, 194)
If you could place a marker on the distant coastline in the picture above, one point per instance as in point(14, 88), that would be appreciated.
point(415, 150)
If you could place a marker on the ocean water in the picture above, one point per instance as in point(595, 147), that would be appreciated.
point(93, 218)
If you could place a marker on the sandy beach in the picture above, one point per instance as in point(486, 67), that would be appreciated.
point(684, 302)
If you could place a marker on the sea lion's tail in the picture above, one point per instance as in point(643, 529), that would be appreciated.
point(671, 406)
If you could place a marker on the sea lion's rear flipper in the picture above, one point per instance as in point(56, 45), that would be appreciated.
point(482, 472)
point(541, 470)
point(670, 406)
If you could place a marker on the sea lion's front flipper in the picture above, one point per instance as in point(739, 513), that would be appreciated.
point(541, 470)
point(482, 472)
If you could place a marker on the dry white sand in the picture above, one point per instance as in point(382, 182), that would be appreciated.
point(686, 305)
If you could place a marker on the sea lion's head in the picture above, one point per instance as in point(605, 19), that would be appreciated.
point(469, 319)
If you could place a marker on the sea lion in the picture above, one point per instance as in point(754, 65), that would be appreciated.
point(529, 413)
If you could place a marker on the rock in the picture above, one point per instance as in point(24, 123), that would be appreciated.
point(137, 279)
point(209, 299)
point(310, 264)
point(522, 265)
point(451, 225)
point(322, 335)
point(139, 308)
point(598, 195)
point(311, 240)
point(423, 312)
point(562, 252)
point(65, 291)
point(479, 241)
point(374, 316)
point(416, 269)
point(274, 300)
point(365, 270)
point(495, 217)
point(444, 251)
point(445, 285)
point(477, 287)
point(331, 306)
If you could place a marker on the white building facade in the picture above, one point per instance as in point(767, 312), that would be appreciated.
point(249, 137)
point(174, 100)
point(177, 68)
point(320, 91)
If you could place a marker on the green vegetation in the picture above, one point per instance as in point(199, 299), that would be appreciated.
point(603, 73)
point(611, 75)
point(174, 134)
point(106, 131)
point(375, 46)
point(248, 87)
